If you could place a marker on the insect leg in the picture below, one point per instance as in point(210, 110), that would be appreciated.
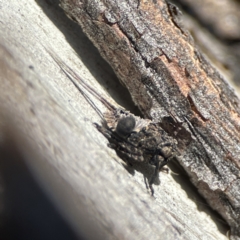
point(156, 162)
point(159, 164)
point(104, 131)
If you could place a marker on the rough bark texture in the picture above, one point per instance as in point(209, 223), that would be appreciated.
point(50, 123)
point(224, 24)
point(215, 27)
point(167, 76)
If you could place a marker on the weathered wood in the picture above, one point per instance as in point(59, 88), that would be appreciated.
point(215, 27)
point(51, 125)
point(167, 76)
point(222, 18)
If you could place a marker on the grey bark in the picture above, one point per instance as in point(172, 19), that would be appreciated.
point(215, 27)
point(156, 59)
point(51, 125)
point(224, 23)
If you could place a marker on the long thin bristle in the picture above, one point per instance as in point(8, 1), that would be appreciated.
point(77, 80)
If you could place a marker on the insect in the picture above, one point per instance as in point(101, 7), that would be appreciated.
point(137, 141)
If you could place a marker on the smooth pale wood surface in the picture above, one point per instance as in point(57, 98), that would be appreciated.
point(51, 124)
point(157, 60)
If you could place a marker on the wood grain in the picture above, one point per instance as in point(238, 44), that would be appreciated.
point(155, 58)
point(52, 126)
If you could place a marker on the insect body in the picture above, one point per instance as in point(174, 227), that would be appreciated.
point(136, 140)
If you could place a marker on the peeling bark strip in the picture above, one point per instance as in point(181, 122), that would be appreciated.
point(166, 76)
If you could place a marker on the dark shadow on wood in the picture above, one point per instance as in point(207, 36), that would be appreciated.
point(181, 177)
point(26, 213)
point(85, 50)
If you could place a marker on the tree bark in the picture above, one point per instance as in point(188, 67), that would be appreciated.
point(224, 23)
point(155, 58)
point(215, 27)
point(50, 123)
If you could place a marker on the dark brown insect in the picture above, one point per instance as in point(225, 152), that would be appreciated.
point(136, 140)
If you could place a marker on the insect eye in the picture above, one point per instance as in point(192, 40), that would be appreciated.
point(125, 126)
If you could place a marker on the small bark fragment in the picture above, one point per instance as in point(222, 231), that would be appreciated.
point(167, 76)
